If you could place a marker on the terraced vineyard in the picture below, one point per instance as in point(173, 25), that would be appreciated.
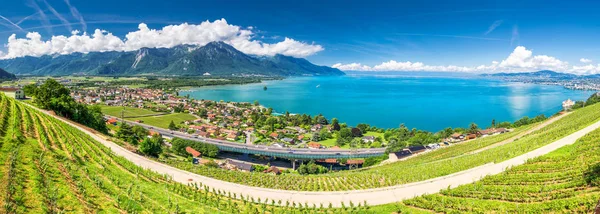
point(47, 166)
point(564, 181)
point(431, 165)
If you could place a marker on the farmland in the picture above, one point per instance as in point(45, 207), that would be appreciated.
point(47, 166)
point(564, 181)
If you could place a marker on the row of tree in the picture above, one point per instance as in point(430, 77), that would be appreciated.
point(52, 95)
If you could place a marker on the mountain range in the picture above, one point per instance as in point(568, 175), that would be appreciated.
point(541, 75)
point(215, 58)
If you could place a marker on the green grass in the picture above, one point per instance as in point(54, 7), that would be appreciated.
point(163, 121)
point(115, 111)
point(559, 182)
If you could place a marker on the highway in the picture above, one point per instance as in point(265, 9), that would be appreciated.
point(291, 153)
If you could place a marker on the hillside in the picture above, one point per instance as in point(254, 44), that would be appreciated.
point(564, 181)
point(4, 75)
point(47, 166)
point(215, 58)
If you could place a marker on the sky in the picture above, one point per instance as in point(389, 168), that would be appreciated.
point(463, 36)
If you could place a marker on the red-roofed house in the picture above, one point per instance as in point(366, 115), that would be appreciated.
point(193, 152)
point(314, 145)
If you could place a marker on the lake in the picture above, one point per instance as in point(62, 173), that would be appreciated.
point(423, 101)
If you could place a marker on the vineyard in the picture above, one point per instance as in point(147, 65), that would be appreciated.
point(564, 181)
point(47, 166)
point(431, 165)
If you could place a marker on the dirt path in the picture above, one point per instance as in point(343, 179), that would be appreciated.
point(375, 196)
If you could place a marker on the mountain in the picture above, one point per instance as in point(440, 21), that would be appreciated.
point(544, 74)
point(215, 58)
point(4, 75)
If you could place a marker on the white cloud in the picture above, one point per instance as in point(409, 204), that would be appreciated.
point(351, 67)
point(168, 36)
point(492, 27)
point(584, 60)
point(520, 60)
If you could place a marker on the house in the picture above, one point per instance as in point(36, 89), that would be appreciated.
point(316, 128)
point(471, 136)
point(314, 145)
point(112, 121)
point(400, 154)
point(273, 170)
point(203, 134)
point(331, 161)
point(239, 165)
point(355, 162)
point(457, 136)
point(568, 104)
point(232, 136)
point(368, 139)
point(416, 149)
point(192, 152)
point(492, 131)
point(288, 140)
point(274, 135)
point(300, 137)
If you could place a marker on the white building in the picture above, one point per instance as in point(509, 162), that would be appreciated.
point(19, 94)
point(568, 104)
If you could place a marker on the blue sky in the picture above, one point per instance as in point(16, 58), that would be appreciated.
point(437, 33)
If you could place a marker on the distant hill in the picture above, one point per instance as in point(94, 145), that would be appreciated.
point(4, 75)
point(544, 74)
point(215, 58)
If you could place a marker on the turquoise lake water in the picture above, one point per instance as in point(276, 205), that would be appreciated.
point(387, 100)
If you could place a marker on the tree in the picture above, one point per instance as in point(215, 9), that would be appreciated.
point(356, 142)
point(473, 129)
point(364, 128)
point(172, 126)
point(493, 123)
point(256, 103)
point(151, 146)
point(335, 124)
point(271, 121)
point(202, 112)
point(324, 134)
point(316, 137)
point(356, 132)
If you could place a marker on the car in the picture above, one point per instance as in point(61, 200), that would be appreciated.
point(337, 153)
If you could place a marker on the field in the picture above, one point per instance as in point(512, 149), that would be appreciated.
point(158, 119)
point(564, 181)
point(128, 112)
point(163, 121)
point(430, 165)
point(47, 166)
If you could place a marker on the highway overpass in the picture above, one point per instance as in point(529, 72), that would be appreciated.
point(289, 153)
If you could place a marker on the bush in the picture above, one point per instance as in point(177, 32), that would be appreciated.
point(311, 168)
point(151, 146)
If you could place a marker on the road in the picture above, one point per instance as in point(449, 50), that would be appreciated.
point(376, 196)
point(292, 153)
